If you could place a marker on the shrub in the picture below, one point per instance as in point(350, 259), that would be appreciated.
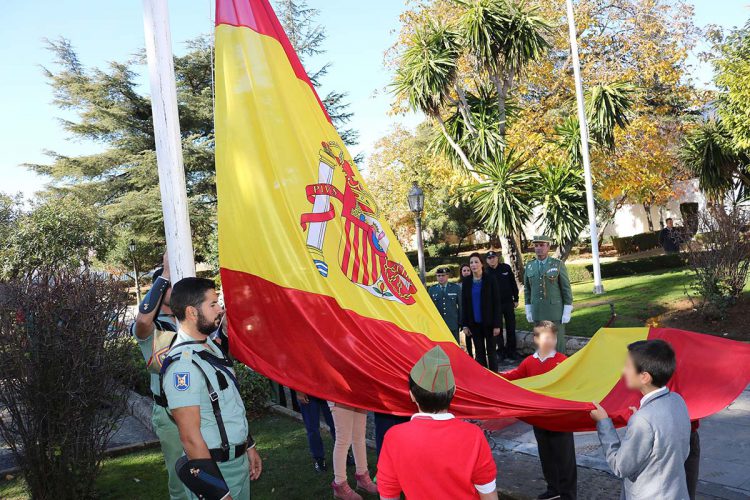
point(141, 380)
point(585, 272)
point(579, 272)
point(255, 390)
point(65, 357)
point(636, 243)
point(720, 259)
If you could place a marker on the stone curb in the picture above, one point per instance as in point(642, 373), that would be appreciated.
point(140, 408)
point(116, 451)
point(525, 342)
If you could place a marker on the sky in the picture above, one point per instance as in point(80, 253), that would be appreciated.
point(359, 32)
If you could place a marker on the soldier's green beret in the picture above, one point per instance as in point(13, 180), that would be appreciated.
point(543, 238)
point(433, 371)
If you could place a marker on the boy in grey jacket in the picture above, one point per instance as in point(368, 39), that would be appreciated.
point(650, 459)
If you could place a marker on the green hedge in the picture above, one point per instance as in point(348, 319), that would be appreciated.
point(636, 243)
point(255, 390)
point(584, 272)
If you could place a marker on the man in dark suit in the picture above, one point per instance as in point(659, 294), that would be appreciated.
point(669, 238)
point(508, 291)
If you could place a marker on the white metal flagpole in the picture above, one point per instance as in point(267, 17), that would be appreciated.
point(598, 287)
point(168, 144)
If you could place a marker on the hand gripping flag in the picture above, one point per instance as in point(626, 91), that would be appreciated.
point(321, 297)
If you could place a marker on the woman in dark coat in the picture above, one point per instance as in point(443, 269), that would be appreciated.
point(481, 316)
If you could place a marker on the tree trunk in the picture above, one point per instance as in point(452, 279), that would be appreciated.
point(609, 218)
point(502, 88)
point(563, 251)
point(455, 146)
point(465, 109)
point(649, 219)
point(512, 256)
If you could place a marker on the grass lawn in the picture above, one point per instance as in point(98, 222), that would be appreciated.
point(636, 299)
point(282, 443)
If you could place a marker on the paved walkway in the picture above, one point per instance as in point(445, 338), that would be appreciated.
point(130, 434)
point(724, 468)
point(724, 474)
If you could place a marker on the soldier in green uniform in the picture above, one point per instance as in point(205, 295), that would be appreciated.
point(447, 299)
point(547, 291)
point(155, 331)
point(203, 398)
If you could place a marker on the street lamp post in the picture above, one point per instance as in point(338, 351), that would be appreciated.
point(132, 248)
point(416, 205)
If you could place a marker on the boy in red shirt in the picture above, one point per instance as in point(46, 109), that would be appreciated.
point(435, 455)
point(557, 450)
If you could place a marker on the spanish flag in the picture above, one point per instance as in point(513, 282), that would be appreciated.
point(320, 295)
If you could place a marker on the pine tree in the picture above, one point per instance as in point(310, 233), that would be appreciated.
point(121, 180)
point(307, 36)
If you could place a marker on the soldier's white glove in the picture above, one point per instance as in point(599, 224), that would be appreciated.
point(529, 316)
point(567, 311)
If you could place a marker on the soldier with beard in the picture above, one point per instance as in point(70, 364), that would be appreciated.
point(203, 397)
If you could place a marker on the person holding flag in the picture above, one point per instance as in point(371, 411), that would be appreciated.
point(203, 397)
point(436, 455)
point(155, 331)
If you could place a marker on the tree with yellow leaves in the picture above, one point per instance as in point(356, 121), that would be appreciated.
point(494, 74)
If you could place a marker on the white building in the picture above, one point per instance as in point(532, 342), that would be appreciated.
point(631, 219)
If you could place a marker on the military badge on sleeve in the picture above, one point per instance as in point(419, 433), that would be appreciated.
point(182, 381)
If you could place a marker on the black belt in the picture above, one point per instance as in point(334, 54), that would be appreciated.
point(219, 455)
point(160, 400)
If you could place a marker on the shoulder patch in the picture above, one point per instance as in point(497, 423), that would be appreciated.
point(182, 381)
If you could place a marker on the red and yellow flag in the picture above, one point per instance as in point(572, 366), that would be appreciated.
point(321, 297)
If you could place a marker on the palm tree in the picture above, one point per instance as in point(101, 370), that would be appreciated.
point(482, 140)
point(708, 153)
point(561, 193)
point(607, 107)
point(504, 198)
point(426, 75)
point(503, 37)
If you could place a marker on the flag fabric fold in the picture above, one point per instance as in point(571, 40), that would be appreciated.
point(321, 297)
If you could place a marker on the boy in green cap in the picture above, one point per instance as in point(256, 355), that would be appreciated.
point(413, 458)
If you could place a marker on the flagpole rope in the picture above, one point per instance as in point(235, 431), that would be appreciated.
point(212, 19)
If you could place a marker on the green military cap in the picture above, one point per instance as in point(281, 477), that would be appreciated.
point(433, 371)
point(443, 270)
point(543, 238)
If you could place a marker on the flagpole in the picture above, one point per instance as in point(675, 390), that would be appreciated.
point(168, 143)
point(598, 287)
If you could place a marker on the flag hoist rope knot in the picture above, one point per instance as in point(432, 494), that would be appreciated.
point(363, 246)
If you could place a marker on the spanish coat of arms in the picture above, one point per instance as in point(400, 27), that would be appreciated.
point(363, 248)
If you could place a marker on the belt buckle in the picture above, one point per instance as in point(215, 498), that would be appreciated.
point(214, 397)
